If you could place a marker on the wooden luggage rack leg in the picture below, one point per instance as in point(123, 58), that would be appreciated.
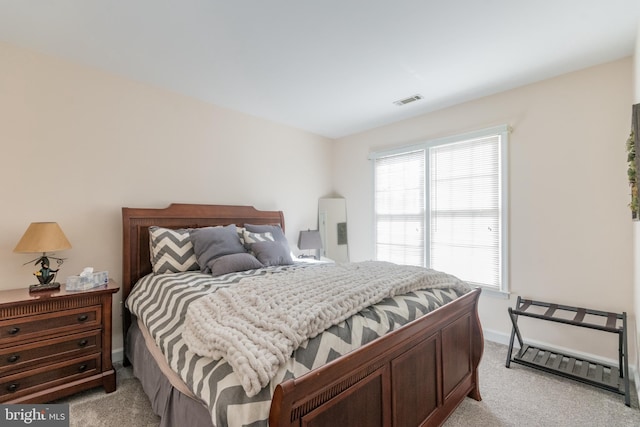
point(608, 377)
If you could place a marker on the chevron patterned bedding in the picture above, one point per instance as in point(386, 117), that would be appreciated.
point(161, 302)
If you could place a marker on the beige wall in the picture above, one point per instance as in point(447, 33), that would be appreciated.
point(79, 144)
point(570, 234)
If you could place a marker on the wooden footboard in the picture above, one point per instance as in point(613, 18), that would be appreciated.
point(414, 376)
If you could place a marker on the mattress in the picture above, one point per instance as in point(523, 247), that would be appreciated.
point(161, 301)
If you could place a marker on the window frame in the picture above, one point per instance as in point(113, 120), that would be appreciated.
point(503, 131)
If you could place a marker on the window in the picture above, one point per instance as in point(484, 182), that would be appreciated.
point(400, 208)
point(442, 204)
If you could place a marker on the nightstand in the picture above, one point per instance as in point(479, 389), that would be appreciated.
point(55, 343)
point(322, 260)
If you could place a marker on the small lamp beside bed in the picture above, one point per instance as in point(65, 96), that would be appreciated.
point(43, 237)
point(310, 240)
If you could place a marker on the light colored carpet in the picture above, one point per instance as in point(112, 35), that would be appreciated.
point(518, 396)
point(128, 406)
point(525, 397)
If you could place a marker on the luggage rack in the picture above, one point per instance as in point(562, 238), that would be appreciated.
point(608, 377)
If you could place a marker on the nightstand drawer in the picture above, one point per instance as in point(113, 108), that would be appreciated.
point(14, 386)
point(22, 357)
point(22, 328)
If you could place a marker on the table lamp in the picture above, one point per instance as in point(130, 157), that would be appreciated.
point(43, 237)
point(309, 240)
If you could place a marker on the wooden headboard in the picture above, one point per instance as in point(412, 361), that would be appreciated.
point(136, 260)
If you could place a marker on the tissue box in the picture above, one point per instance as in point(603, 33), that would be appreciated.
point(82, 283)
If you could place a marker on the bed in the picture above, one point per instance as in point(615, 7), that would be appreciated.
point(416, 374)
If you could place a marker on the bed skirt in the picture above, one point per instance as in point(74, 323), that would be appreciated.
point(174, 407)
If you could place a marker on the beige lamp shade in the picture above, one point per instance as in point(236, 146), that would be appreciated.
point(42, 237)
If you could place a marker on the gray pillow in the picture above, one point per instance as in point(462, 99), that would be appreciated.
point(250, 238)
point(275, 230)
point(272, 253)
point(210, 243)
point(232, 263)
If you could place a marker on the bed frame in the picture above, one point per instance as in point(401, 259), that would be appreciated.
point(414, 376)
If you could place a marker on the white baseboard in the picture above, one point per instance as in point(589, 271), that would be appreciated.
point(117, 355)
point(636, 380)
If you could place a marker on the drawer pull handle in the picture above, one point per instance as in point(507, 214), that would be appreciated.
point(11, 388)
point(82, 367)
point(14, 330)
point(83, 343)
point(13, 358)
point(82, 318)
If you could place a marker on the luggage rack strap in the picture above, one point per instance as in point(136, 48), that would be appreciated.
point(609, 320)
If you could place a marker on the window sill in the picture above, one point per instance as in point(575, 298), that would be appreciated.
point(494, 293)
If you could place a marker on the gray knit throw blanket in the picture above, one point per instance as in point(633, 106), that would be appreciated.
point(257, 324)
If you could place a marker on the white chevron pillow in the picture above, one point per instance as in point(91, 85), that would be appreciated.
point(171, 250)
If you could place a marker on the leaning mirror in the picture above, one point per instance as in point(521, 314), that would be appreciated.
point(332, 224)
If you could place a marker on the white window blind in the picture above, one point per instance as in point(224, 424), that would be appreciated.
point(441, 204)
point(400, 208)
point(464, 190)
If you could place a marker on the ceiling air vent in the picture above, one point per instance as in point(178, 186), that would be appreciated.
point(408, 100)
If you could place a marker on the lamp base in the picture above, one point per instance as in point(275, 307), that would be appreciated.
point(44, 287)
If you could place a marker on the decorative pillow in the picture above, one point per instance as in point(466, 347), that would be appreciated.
point(240, 231)
point(250, 238)
point(232, 263)
point(271, 253)
point(275, 230)
point(210, 243)
point(171, 250)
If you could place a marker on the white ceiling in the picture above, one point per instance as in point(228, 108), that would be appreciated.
point(332, 67)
